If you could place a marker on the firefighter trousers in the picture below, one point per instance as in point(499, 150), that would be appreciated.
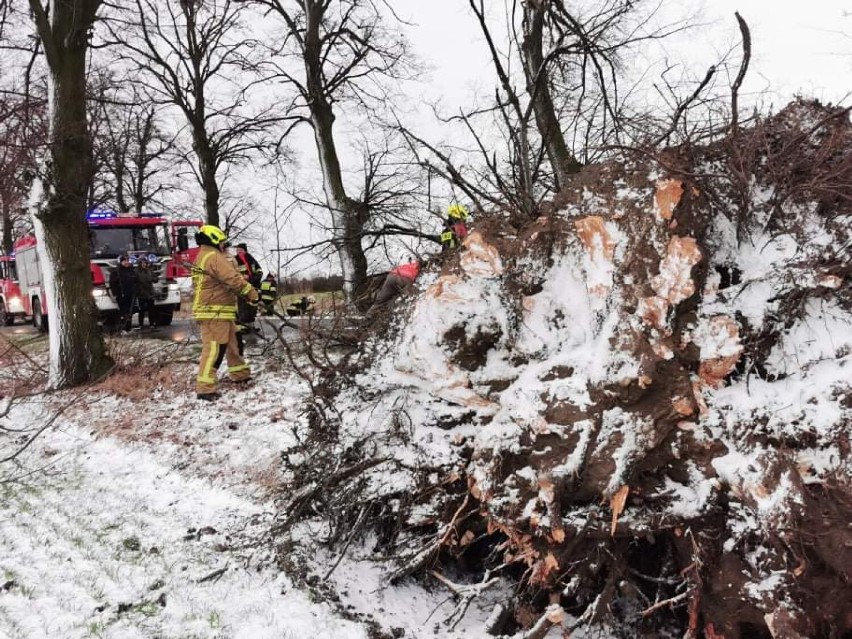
point(219, 341)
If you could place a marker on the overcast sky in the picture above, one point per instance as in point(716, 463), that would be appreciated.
point(798, 46)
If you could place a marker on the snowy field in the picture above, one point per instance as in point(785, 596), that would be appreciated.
point(146, 518)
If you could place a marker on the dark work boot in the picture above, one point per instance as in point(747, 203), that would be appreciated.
point(239, 383)
point(208, 397)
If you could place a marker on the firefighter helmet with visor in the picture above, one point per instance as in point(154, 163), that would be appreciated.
point(213, 234)
point(457, 212)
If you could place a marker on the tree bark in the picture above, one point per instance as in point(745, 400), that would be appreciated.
point(207, 173)
point(119, 172)
point(562, 161)
point(77, 351)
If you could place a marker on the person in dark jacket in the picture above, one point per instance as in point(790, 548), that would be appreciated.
point(248, 266)
point(145, 278)
point(122, 285)
point(250, 269)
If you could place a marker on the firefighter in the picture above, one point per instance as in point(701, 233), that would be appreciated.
point(269, 293)
point(122, 285)
point(241, 303)
point(217, 285)
point(397, 281)
point(248, 266)
point(250, 269)
point(455, 227)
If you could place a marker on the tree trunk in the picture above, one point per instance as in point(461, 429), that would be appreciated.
point(347, 220)
point(119, 172)
point(562, 161)
point(138, 181)
point(348, 216)
point(207, 173)
point(77, 350)
point(8, 241)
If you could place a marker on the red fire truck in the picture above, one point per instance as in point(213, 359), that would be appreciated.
point(184, 247)
point(11, 304)
point(31, 282)
point(110, 235)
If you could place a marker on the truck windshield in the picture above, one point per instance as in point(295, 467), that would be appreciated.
point(189, 233)
point(112, 241)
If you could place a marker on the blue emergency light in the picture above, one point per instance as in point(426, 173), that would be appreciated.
point(94, 214)
point(98, 214)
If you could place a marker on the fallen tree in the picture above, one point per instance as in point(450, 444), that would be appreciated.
point(635, 407)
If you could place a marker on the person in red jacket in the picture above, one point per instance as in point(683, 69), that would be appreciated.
point(397, 280)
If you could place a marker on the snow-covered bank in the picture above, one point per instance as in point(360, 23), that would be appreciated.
point(108, 541)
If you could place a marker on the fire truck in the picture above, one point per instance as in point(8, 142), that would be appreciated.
point(31, 282)
point(184, 247)
point(110, 235)
point(11, 303)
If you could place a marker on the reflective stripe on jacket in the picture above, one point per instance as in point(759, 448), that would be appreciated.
point(268, 290)
point(217, 284)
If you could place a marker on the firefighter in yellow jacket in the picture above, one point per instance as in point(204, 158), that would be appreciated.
point(217, 283)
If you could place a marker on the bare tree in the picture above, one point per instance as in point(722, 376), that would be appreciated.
point(196, 56)
point(562, 161)
point(345, 51)
point(134, 151)
point(77, 353)
point(561, 110)
point(22, 136)
point(238, 214)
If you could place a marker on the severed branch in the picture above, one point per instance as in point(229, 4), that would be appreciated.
point(735, 87)
point(303, 497)
point(467, 593)
point(553, 616)
point(683, 106)
point(426, 554)
point(355, 530)
point(666, 602)
point(214, 576)
point(51, 421)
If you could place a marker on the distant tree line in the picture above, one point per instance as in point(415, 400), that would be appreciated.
point(312, 284)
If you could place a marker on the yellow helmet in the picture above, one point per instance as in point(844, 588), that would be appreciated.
point(213, 233)
point(457, 212)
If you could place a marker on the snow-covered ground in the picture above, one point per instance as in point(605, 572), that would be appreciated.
point(108, 537)
point(147, 517)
